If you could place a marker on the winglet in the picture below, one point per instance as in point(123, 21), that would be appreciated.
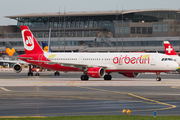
point(169, 50)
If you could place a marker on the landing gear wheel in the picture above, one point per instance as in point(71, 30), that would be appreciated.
point(56, 73)
point(107, 77)
point(158, 79)
point(37, 74)
point(84, 77)
point(30, 74)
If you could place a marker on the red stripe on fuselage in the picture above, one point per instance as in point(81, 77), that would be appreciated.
point(124, 71)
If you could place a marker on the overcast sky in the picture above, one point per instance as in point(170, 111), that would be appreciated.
point(16, 7)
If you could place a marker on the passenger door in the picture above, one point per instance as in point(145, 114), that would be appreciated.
point(153, 60)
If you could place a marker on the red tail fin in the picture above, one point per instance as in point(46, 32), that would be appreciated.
point(169, 50)
point(31, 46)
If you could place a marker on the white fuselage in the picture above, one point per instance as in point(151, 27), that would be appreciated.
point(176, 58)
point(116, 61)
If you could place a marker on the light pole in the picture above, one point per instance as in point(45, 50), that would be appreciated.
point(179, 32)
point(116, 28)
point(59, 29)
point(122, 29)
point(64, 29)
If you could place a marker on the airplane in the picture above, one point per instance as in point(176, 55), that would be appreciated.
point(96, 65)
point(18, 63)
point(169, 50)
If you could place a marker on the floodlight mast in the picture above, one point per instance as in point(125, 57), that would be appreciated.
point(59, 29)
point(122, 29)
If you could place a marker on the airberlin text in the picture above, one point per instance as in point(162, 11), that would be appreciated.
point(130, 60)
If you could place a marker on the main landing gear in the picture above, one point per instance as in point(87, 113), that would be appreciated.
point(84, 77)
point(37, 74)
point(30, 73)
point(158, 76)
point(56, 73)
point(107, 77)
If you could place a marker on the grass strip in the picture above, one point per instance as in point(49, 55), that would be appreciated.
point(101, 117)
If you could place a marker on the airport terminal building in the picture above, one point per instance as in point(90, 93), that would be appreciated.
point(135, 30)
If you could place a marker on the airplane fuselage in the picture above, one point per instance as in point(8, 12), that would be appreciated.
point(112, 62)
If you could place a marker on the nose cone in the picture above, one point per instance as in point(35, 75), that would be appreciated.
point(174, 65)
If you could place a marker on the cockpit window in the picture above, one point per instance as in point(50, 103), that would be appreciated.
point(170, 59)
point(167, 59)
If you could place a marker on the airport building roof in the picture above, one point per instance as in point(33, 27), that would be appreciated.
point(91, 13)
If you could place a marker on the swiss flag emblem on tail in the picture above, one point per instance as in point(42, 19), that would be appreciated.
point(31, 46)
point(169, 49)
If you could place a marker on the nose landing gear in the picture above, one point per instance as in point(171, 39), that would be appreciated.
point(158, 76)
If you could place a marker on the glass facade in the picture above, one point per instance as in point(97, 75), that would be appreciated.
point(69, 22)
point(103, 21)
point(102, 28)
point(90, 43)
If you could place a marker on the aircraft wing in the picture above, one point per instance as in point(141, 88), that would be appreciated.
point(75, 65)
point(15, 61)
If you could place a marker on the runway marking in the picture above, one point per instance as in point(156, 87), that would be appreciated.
point(175, 87)
point(77, 82)
point(71, 83)
point(168, 82)
point(143, 98)
point(41, 115)
point(68, 97)
point(4, 89)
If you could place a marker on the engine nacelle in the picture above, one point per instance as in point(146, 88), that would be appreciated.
point(17, 68)
point(96, 72)
point(130, 74)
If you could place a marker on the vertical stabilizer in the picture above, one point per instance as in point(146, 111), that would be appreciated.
point(31, 45)
point(10, 50)
point(45, 47)
point(169, 50)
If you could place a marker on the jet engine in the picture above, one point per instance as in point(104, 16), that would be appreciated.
point(17, 68)
point(96, 72)
point(130, 74)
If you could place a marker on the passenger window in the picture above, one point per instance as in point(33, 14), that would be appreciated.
point(165, 59)
point(162, 59)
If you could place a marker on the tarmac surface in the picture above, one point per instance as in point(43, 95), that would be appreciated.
point(49, 95)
